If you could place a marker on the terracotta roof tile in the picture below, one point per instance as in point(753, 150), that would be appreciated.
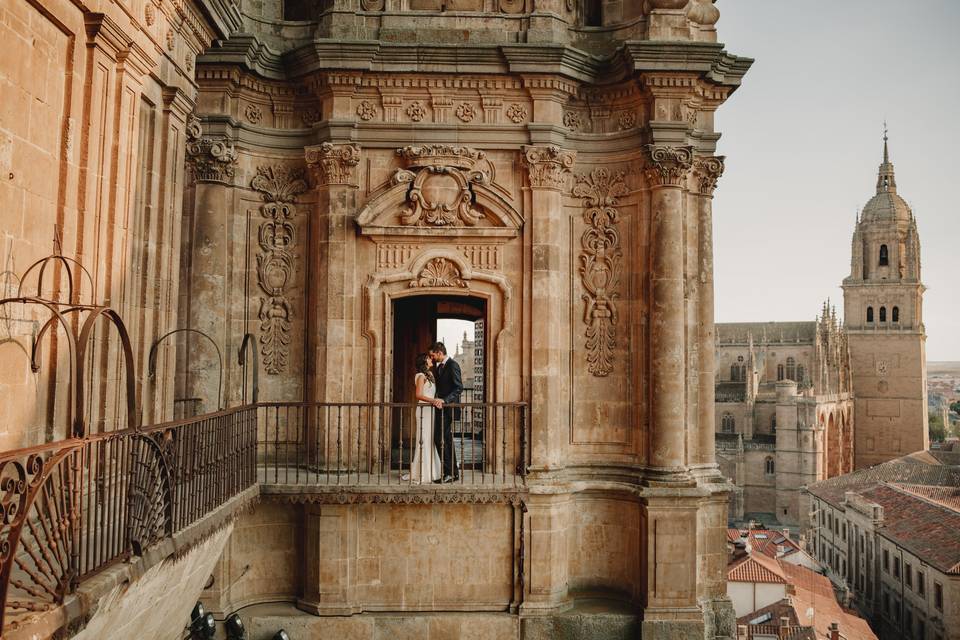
point(756, 567)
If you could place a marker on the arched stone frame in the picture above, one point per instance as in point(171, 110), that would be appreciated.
point(381, 289)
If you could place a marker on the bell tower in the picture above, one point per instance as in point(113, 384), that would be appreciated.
point(883, 315)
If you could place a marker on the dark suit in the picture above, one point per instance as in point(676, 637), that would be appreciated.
point(449, 387)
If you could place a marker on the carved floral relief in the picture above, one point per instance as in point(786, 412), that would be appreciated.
point(439, 272)
point(601, 264)
point(441, 179)
point(277, 237)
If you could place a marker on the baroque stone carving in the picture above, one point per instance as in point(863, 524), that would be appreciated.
point(416, 111)
point(573, 120)
point(371, 5)
point(253, 114)
point(150, 14)
point(209, 159)
point(170, 39)
point(279, 185)
point(517, 112)
point(311, 116)
point(333, 163)
point(466, 112)
point(511, 6)
point(703, 12)
point(548, 166)
point(627, 119)
point(669, 166)
point(441, 178)
point(423, 496)
point(601, 264)
point(366, 110)
point(708, 172)
point(439, 272)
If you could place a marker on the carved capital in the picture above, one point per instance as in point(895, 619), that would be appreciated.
point(209, 159)
point(668, 166)
point(333, 164)
point(548, 166)
point(708, 171)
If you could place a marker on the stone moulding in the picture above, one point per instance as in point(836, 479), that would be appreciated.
point(439, 272)
point(405, 497)
point(601, 264)
point(276, 261)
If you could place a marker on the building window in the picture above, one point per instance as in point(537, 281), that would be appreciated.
point(791, 369)
point(921, 587)
point(908, 622)
point(769, 466)
point(884, 256)
point(886, 561)
point(895, 314)
point(869, 314)
point(844, 531)
point(773, 423)
point(938, 596)
point(800, 373)
point(727, 423)
point(779, 372)
point(896, 567)
point(734, 373)
point(883, 314)
point(908, 574)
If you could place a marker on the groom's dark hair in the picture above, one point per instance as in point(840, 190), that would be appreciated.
point(439, 347)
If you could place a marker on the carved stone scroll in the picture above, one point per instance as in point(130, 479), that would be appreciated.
point(276, 261)
point(441, 178)
point(209, 159)
point(333, 164)
point(439, 272)
point(708, 172)
point(669, 165)
point(601, 264)
point(548, 166)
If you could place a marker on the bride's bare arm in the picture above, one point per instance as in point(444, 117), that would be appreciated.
point(421, 383)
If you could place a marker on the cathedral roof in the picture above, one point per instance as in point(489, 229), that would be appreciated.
point(886, 204)
point(766, 332)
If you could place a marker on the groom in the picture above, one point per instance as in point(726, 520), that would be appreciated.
point(449, 386)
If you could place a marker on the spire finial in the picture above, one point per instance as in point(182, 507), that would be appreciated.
point(885, 178)
point(886, 153)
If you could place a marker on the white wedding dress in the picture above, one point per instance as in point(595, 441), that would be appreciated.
point(425, 464)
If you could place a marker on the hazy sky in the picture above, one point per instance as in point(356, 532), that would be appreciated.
point(803, 138)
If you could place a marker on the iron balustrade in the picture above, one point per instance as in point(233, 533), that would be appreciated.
point(70, 509)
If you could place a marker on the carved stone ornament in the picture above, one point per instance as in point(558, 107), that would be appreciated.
point(466, 112)
point(708, 172)
point(371, 5)
point(627, 120)
point(210, 159)
point(441, 178)
point(333, 164)
point(150, 14)
point(573, 120)
point(170, 39)
point(512, 6)
point(439, 272)
point(406, 497)
point(517, 113)
point(416, 111)
point(279, 185)
point(703, 12)
point(366, 111)
point(669, 166)
point(253, 114)
point(548, 166)
point(601, 264)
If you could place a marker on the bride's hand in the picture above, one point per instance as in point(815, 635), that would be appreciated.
point(438, 403)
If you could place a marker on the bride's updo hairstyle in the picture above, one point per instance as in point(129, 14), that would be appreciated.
point(422, 366)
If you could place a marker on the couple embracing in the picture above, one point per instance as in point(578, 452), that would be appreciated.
point(438, 383)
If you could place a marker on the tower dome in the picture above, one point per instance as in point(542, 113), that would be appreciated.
point(886, 204)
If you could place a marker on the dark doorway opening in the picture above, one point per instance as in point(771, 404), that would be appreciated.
point(418, 321)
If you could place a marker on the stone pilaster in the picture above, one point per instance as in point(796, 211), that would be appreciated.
point(330, 543)
point(548, 167)
point(667, 174)
point(334, 285)
point(707, 172)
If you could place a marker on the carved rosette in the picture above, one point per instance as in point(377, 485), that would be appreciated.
point(439, 272)
point(333, 164)
point(707, 172)
point(209, 159)
point(548, 166)
point(601, 264)
point(669, 166)
point(441, 179)
point(276, 261)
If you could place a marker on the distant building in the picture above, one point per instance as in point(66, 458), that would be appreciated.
point(890, 535)
point(784, 412)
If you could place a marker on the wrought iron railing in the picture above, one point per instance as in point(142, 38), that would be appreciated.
point(377, 443)
point(70, 509)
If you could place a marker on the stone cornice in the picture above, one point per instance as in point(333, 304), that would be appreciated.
point(223, 15)
point(699, 58)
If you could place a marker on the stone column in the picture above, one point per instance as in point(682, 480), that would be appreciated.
point(332, 295)
point(707, 171)
point(329, 560)
point(666, 175)
point(548, 167)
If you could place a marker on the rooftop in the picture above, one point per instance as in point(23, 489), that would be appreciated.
point(766, 332)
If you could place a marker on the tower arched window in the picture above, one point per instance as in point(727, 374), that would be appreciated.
point(727, 423)
point(769, 466)
point(791, 369)
point(734, 373)
point(800, 373)
point(779, 372)
point(895, 314)
point(773, 423)
point(883, 314)
point(884, 255)
point(869, 314)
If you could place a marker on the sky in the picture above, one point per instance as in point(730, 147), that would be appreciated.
point(803, 139)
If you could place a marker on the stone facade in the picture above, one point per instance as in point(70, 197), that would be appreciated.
point(784, 415)
point(295, 172)
point(883, 315)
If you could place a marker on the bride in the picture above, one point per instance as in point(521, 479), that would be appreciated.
point(425, 465)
